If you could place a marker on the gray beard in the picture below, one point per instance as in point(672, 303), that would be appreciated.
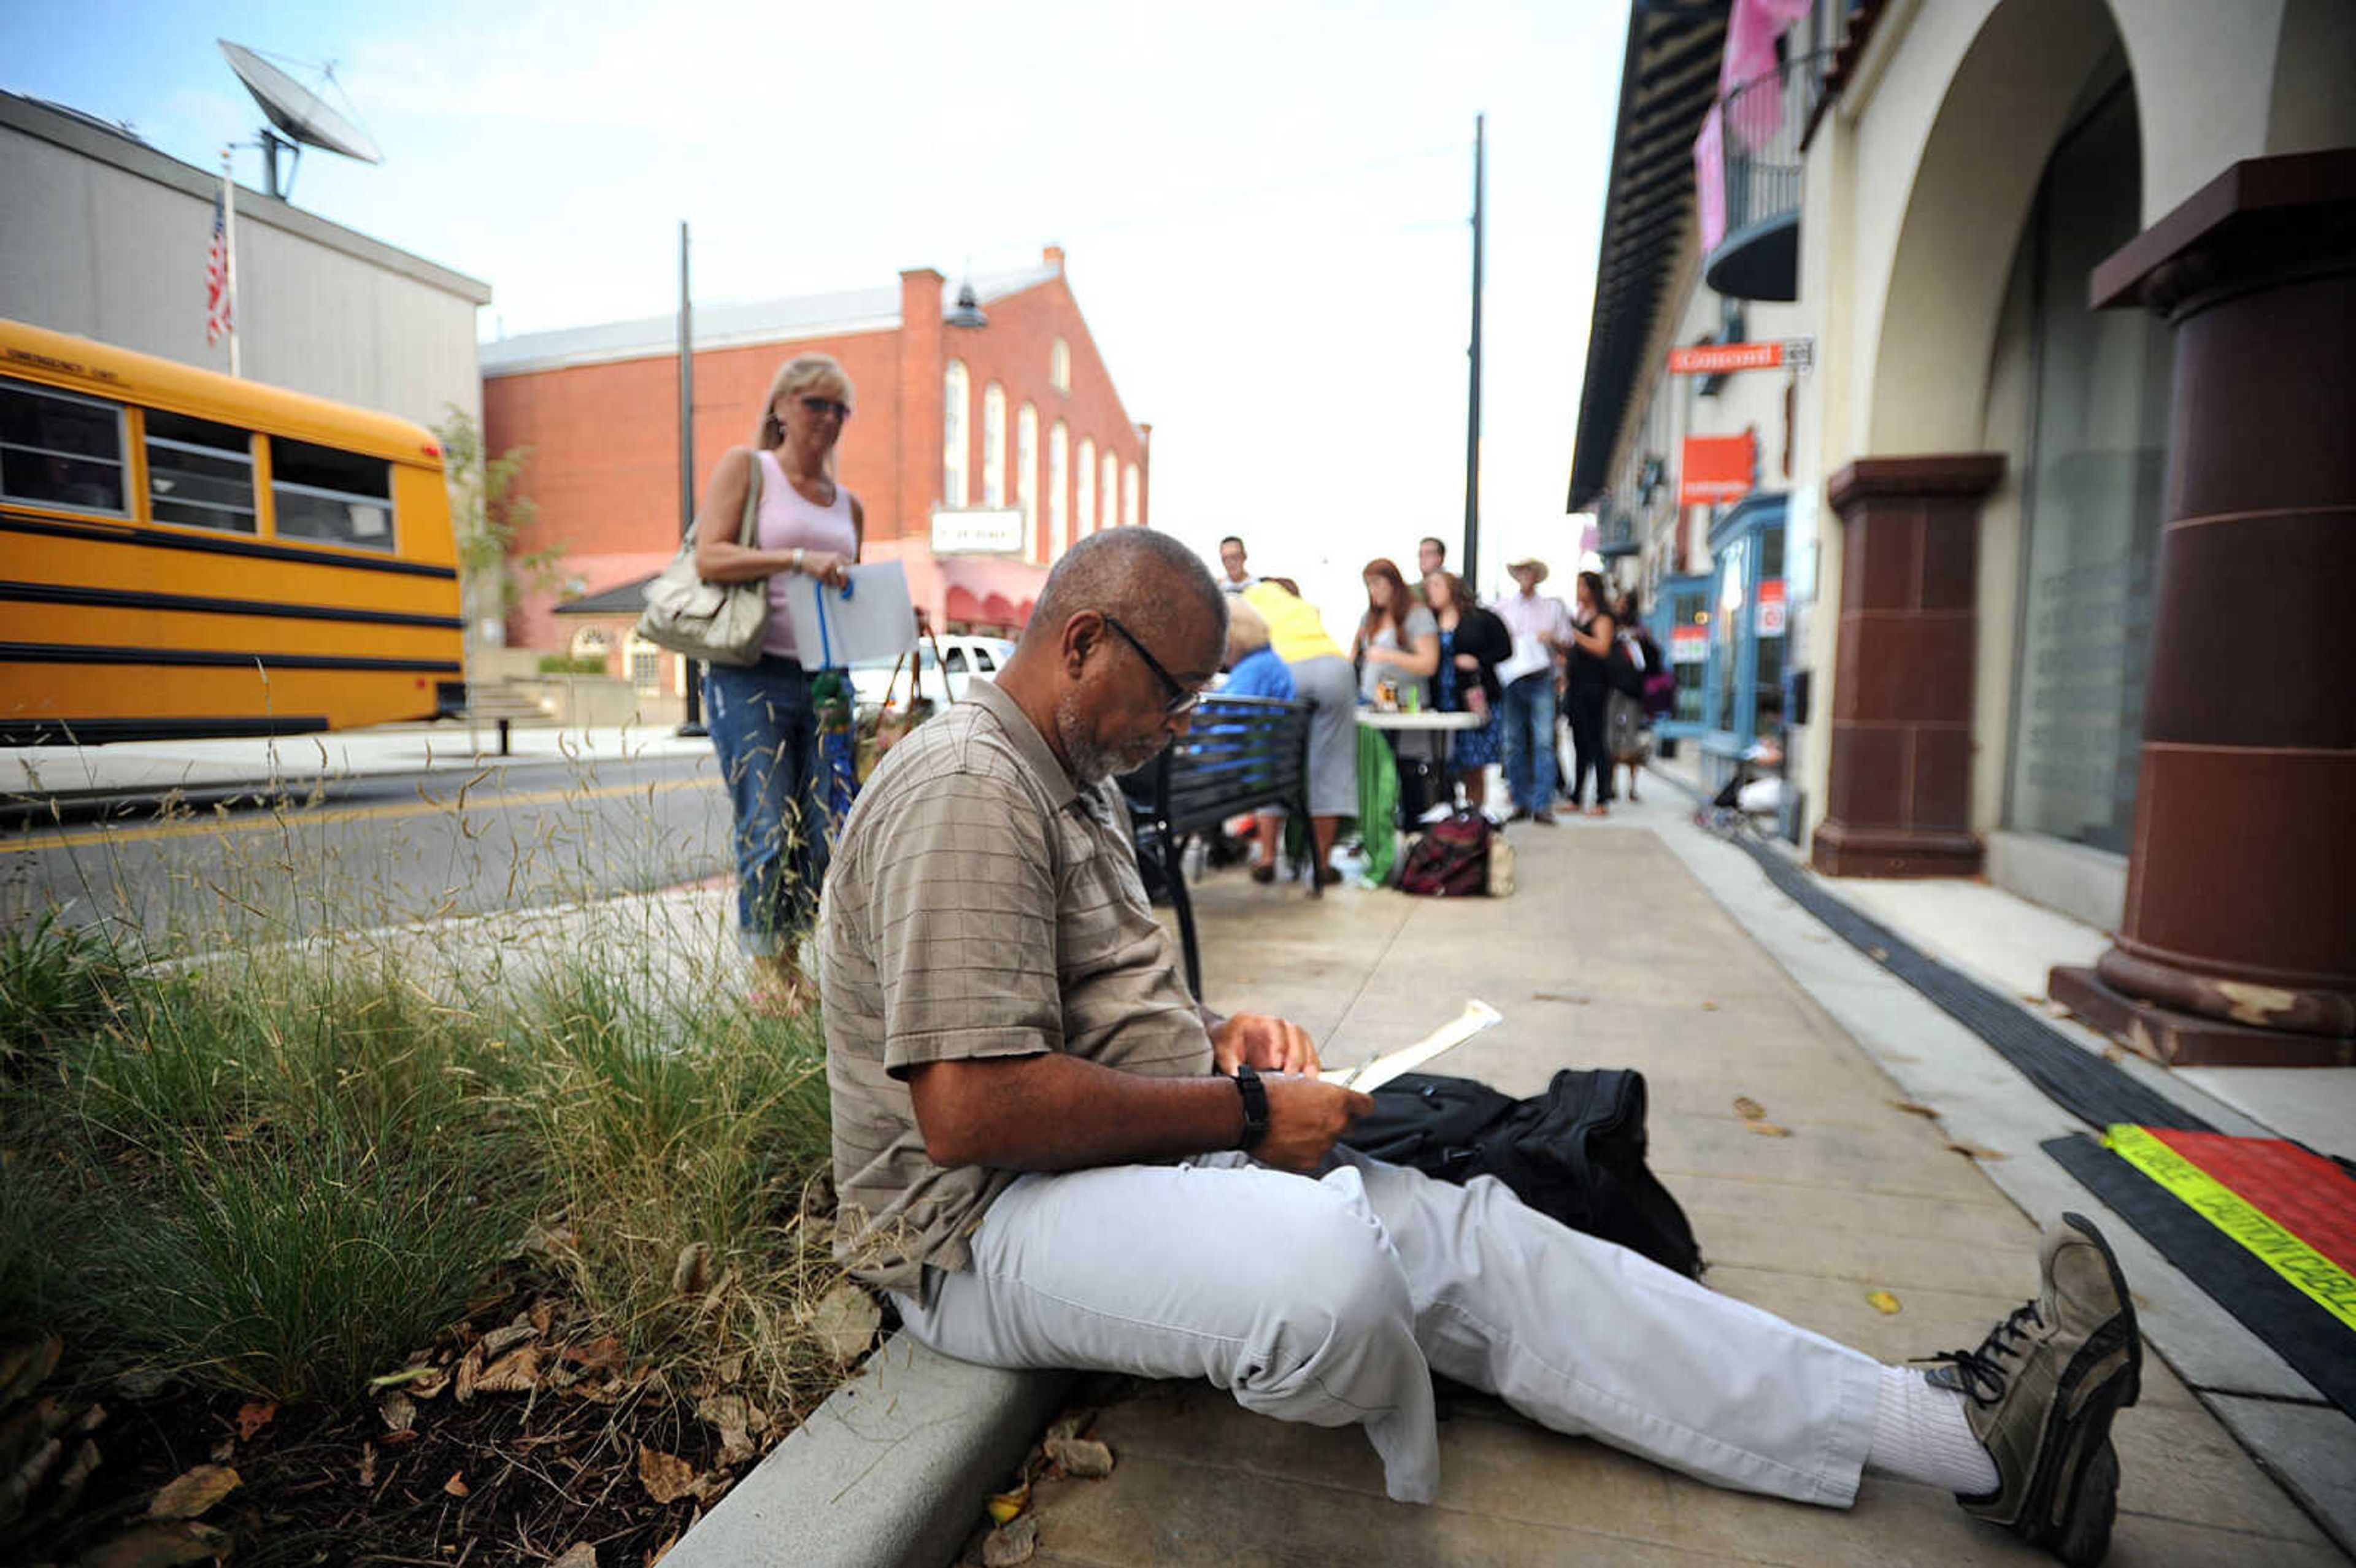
point(1091, 764)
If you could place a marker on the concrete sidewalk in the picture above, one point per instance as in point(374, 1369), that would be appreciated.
point(1613, 951)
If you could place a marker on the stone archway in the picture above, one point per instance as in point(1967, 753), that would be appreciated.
point(1904, 713)
point(2008, 102)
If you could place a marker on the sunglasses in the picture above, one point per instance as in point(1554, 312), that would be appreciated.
point(1182, 698)
point(839, 410)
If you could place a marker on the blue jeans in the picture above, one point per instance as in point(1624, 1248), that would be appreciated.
point(1526, 728)
point(767, 734)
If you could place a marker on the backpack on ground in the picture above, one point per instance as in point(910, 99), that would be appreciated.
point(1450, 859)
point(1575, 1153)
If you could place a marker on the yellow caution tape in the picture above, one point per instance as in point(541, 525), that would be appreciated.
point(2320, 1279)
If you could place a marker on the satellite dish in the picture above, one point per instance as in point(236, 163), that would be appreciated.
point(304, 117)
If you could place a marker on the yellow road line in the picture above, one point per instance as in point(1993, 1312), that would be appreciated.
point(2323, 1281)
point(297, 818)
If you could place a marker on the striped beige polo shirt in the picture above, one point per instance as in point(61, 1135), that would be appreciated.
point(978, 904)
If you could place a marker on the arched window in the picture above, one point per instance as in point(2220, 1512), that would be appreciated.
point(953, 435)
point(1059, 491)
point(993, 445)
point(1026, 476)
point(1087, 483)
point(1108, 495)
point(1129, 496)
point(1059, 366)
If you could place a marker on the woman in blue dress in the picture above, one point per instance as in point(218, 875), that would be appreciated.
point(1472, 643)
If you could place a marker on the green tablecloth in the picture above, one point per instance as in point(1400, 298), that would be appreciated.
point(1378, 802)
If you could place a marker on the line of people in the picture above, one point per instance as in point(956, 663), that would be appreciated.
point(1520, 665)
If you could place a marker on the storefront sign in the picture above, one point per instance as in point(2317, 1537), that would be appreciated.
point(1768, 618)
point(995, 530)
point(1715, 469)
point(1690, 645)
point(1719, 358)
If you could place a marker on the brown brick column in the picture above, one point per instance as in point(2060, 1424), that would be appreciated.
point(2238, 942)
point(922, 361)
point(1898, 800)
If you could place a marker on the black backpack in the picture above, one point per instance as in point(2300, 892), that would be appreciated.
point(1575, 1153)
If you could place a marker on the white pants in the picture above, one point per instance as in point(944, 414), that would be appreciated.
point(1331, 1300)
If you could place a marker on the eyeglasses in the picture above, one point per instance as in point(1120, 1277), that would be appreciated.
point(838, 409)
point(1182, 698)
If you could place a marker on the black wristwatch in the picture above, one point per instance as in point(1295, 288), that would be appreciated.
point(1255, 1095)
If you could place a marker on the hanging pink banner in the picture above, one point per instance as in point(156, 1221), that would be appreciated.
point(1710, 182)
point(1751, 34)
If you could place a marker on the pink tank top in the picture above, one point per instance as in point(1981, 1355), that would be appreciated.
point(788, 519)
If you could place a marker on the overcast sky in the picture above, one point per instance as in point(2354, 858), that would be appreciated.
point(1264, 205)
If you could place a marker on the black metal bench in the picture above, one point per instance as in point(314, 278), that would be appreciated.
point(1241, 753)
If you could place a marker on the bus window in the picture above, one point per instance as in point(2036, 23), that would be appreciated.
point(59, 450)
point(199, 473)
point(341, 497)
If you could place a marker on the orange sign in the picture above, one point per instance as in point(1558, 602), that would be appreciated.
point(1716, 359)
point(1769, 616)
point(1715, 469)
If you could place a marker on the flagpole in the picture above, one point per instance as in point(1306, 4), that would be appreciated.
point(229, 247)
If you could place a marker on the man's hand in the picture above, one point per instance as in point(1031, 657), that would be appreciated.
point(1304, 1118)
point(1263, 1044)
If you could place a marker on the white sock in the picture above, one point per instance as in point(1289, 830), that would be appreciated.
point(1920, 1433)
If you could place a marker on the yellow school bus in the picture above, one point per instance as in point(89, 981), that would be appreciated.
point(185, 554)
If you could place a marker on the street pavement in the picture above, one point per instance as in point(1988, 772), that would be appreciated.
point(143, 770)
point(1613, 951)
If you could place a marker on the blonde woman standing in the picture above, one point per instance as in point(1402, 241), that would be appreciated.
point(762, 724)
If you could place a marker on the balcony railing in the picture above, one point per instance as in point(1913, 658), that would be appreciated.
point(1750, 152)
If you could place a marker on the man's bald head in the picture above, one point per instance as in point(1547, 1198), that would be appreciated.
point(1143, 578)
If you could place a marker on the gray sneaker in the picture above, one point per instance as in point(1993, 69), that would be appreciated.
point(2040, 1393)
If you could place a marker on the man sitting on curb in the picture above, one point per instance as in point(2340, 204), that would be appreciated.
point(1051, 1157)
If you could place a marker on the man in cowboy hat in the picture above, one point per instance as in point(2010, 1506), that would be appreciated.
point(1541, 629)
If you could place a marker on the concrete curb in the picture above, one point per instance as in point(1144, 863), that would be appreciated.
point(890, 1472)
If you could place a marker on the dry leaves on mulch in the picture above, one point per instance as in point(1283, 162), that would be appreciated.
point(190, 1493)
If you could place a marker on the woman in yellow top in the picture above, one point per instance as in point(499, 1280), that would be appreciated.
point(1323, 678)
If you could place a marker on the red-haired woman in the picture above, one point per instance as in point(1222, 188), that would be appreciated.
point(1397, 639)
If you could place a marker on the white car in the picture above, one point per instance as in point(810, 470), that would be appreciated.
point(962, 659)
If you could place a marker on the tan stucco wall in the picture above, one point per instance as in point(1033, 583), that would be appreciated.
point(1918, 186)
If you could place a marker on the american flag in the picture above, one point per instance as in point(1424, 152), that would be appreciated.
point(217, 275)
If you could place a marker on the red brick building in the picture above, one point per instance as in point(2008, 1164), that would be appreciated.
point(1017, 415)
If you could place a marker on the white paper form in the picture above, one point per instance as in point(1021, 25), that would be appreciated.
point(874, 620)
point(1375, 1072)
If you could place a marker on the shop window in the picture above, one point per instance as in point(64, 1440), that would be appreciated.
point(199, 474)
point(2090, 498)
point(337, 497)
point(57, 450)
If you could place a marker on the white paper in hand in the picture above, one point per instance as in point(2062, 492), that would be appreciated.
point(1372, 1075)
point(1530, 656)
point(877, 621)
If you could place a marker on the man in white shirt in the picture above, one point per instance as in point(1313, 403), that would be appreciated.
point(1236, 578)
point(1541, 630)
